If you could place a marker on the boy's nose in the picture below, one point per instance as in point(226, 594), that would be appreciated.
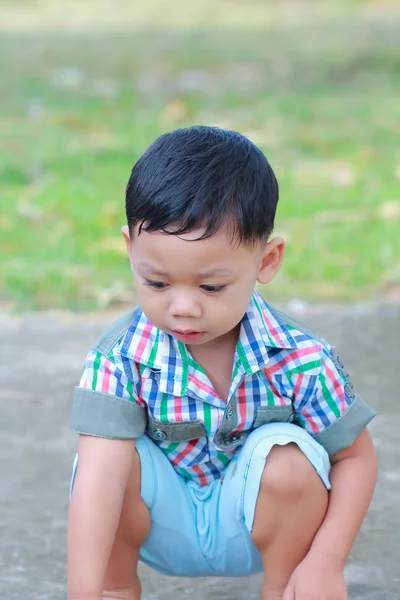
point(184, 305)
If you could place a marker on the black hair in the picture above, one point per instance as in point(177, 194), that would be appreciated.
point(203, 176)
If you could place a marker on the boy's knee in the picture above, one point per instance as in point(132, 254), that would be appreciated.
point(288, 474)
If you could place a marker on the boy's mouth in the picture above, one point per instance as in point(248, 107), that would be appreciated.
point(187, 335)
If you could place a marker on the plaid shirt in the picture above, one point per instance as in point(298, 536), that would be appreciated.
point(275, 365)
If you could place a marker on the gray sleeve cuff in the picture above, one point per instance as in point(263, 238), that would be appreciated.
point(347, 428)
point(103, 415)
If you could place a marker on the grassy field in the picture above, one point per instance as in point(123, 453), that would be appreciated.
point(85, 91)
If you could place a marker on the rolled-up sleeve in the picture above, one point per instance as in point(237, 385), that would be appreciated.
point(106, 402)
point(327, 406)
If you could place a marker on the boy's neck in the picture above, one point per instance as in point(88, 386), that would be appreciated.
point(218, 351)
point(217, 359)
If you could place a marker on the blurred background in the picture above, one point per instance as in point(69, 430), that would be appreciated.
point(86, 86)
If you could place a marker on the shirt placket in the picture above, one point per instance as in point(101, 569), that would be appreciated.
point(225, 436)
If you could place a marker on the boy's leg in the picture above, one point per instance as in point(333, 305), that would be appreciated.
point(273, 500)
point(291, 506)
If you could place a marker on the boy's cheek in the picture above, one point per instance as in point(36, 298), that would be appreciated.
point(150, 301)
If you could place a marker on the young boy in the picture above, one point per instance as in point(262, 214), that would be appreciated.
point(217, 435)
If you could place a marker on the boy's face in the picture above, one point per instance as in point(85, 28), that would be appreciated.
point(198, 290)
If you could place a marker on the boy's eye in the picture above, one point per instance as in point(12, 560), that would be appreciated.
point(213, 289)
point(158, 285)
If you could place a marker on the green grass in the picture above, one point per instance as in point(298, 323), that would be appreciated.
point(318, 92)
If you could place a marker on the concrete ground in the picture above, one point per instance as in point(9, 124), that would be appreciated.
point(41, 357)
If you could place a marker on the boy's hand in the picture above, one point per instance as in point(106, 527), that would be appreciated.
point(311, 581)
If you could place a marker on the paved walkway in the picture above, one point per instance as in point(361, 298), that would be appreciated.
point(41, 359)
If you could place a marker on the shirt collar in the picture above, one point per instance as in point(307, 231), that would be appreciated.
point(262, 332)
point(151, 347)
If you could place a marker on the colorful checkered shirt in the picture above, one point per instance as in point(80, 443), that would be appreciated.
point(275, 365)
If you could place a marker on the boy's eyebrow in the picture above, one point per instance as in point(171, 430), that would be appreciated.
point(217, 272)
point(148, 267)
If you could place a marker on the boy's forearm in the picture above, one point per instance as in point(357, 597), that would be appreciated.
point(94, 515)
point(353, 482)
point(93, 520)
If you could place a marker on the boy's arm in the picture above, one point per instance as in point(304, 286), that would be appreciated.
point(353, 478)
point(101, 478)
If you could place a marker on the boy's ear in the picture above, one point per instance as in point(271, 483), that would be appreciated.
point(125, 233)
point(127, 238)
point(271, 260)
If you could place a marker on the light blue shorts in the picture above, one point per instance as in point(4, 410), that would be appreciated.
point(200, 531)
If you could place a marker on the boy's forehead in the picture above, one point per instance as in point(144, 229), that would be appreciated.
point(219, 271)
point(215, 254)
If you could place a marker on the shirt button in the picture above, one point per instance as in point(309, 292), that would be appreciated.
point(161, 435)
point(230, 413)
